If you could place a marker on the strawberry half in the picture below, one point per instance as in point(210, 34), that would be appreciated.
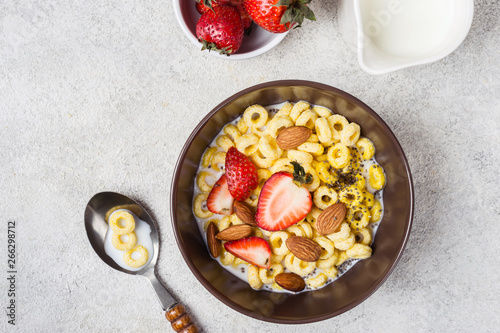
point(241, 174)
point(279, 15)
point(220, 201)
point(253, 250)
point(220, 29)
point(282, 202)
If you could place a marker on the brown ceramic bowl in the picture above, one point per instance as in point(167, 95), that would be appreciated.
point(364, 278)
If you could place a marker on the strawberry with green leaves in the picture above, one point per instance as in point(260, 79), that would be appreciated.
point(279, 15)
point(220, 29)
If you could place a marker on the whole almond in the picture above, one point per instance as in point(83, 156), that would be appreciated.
point(331, 218)
point(293, 136)
point(290, 281)
point(234, 232)
point(304, 248)
point(244, 213)
point(213, 243)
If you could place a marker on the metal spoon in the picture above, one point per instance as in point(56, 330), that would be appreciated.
point(97, 213)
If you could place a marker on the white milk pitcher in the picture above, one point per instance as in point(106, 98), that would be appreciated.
point(392, 34)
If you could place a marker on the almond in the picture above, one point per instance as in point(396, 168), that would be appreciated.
point(330, 219)
point(304, 248)
point(293, 136)
point(213, 243)
point(290, 281)
point(244, 213)
point(234, 232)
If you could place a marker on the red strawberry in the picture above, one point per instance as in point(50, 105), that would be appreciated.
point(203, 6)
point(282, 202)
point(279, 15)
point(220, 30)
point(253, 250)
point(241, 174)
point(220, 201)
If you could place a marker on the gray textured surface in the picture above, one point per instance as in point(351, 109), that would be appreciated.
point(101, 96)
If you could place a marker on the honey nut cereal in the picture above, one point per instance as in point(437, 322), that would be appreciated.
point(342, 168)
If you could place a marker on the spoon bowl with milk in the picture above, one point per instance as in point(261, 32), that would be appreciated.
point(393, 34)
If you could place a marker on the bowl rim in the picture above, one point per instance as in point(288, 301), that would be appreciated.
point(173, 198)
point(277, 38)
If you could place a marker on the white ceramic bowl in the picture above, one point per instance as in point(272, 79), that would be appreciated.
point(258, 42)
point(375, 62)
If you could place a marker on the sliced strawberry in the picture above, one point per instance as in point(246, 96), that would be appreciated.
point(241, 174)
point(253, 250)
point(220, 201)
point(282, 202)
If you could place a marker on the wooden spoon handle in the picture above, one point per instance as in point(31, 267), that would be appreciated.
point(180, 320)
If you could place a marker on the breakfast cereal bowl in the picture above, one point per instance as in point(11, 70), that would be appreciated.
point(357, 283)
point(256, 43)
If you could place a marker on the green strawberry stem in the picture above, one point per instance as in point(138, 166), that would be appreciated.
point(296, 11)
point(212, 47)
point(299, 174)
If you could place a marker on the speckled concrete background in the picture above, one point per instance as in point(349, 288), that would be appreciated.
point(102, 95)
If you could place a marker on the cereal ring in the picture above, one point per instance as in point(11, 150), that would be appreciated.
point(255, 116)
point(200, 206)
point(363, 236)
point(342, 258)
point(224, 223)
point(368, 199)
point(237, 261)
point(300, 157)
point(119, 244)
point(342, 234)
point(354, 161)
point(295, 230)
point(258, 131)
point(201, 181)
point(284, 110)
point(350, 135)
point(314, 184)
point(289, 261)
point(306, 227)
point(267, 233)
point(337, 124)
point(359, 251)
point(282, 164)
point(253, 277)
point(218, 161)
point(313, 148)
point(360, 181)
point(207, 223)
point(235, 220)
point(232, 131)
point(329, 262)
point(207, 156)
point(351, 196)
point(307, 119)
point(324, 197)
point(339, 155)
point(256, 232)
point(302, 267)
point(247, 143)
point(323, 130)
point(324, 174)
point(224, 142)
point(268, 275)
point(278, 124)
point(297, 109)
point(141, 261)
point(346, 243)
point(242, 126)
point(322, 111)
point(122, 222)
point(376, 177)
point(331, 272)
point(313, 138)
point(358, 217)
point(278, 242)
point(226, 258)
point(321, 158)
point(317, 281)
point(277, 259)
point(269, 147)
point(327, 247)
point(376, 212)
point(263, 175)
point(261, 161)
point(365, 148)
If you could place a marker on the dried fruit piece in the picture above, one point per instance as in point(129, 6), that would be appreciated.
point(234, 232)
point(331, 218)
point(212, 241)
point(244, 213)
point(304, 248)
point(293, 136)
point(290, 281)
